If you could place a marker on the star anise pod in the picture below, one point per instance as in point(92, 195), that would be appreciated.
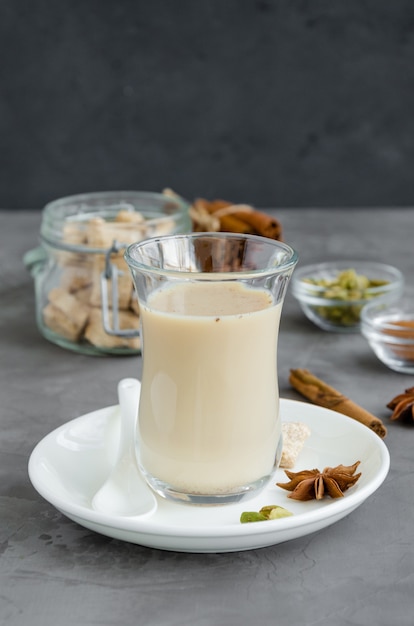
point(403, 405)
point(314, 484)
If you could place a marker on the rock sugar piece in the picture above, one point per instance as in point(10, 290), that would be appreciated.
point(294, 437)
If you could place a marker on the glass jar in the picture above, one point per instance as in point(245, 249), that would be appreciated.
point(85, 297)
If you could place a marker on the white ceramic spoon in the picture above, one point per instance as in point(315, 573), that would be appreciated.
point(125, 492)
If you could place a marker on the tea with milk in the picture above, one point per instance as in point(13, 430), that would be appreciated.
point(209, 408)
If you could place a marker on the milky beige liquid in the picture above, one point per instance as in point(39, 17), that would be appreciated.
point(208, 416)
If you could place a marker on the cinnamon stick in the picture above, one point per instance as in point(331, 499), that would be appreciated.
point(224, 212)
point(257, 221)
point(231, 223)
point(235, 218)
point(216, 216)
point(319, 392)
point(262, 223)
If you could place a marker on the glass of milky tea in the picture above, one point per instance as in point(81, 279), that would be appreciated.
point(208, 428)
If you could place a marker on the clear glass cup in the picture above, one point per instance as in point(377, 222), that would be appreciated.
point(209, 430)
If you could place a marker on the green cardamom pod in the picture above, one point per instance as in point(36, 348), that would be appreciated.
point(271, 511)
point(252, 516)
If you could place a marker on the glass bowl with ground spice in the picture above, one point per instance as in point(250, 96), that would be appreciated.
point(333, 294)
point(389, 329)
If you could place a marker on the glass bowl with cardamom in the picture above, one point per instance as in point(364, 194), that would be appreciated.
point(333, 294)
point(389, 330)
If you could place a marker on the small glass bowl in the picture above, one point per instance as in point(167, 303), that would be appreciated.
point(389, 329)
point(333, 310)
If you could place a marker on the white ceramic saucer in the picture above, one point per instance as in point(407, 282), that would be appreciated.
point(69, 465)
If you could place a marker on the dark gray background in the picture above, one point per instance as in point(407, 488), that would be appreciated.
point(277, 103)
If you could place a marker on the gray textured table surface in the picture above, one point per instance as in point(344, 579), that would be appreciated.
point(359, 571)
